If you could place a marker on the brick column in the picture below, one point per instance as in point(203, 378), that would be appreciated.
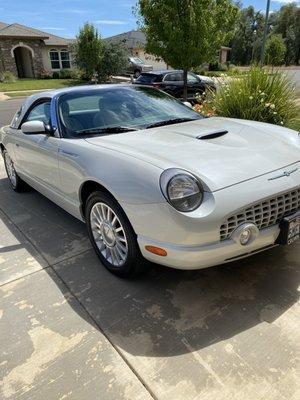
point(8, 61)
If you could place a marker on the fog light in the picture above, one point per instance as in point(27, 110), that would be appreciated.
point(245, 234)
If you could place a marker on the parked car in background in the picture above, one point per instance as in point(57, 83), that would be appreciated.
point(137, 66)
point(207, 80)
point(152, 178)
point(171, 82)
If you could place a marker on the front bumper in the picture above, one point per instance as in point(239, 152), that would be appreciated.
point(193, 240)
point(197, 257)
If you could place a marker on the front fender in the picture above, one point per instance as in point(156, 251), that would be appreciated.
point(127, 178)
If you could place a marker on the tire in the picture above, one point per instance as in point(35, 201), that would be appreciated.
point(112, 236)
point(16, 183)
point(136, 73)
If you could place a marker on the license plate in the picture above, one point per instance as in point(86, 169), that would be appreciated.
point(289, 229)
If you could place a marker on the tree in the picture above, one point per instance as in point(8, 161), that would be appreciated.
point(113, 62)
point(275, 50)
point(186, 33)
point(288, 25)
point(247, 40)
point(88, 50)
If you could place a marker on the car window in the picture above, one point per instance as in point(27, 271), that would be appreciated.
point(146, 79)
point(192, 78)
point(175, 77)
point(40, 112)
point(137, 60)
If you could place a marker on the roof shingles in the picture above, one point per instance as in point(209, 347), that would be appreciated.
point(22, 32)
point(132, 39)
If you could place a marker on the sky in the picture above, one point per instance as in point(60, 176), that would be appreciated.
point(65, 17)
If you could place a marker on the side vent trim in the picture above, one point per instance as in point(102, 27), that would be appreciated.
point(212, 135)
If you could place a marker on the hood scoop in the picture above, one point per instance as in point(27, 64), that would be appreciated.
point(212, 135)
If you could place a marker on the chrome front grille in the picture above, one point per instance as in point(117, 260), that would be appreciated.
point(265, 213)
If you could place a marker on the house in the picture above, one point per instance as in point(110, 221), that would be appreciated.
point(135, 42)
point(30, 53)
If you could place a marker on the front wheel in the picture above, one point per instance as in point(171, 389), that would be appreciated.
point(15, 181)
point(136, 73)
point(112, 236)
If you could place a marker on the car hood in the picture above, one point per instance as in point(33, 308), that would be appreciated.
point(248, 149)
point(206, 79)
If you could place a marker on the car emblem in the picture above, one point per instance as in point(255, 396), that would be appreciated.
point(285, 173)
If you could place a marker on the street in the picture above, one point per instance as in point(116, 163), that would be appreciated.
point(8, 109)
point(71, 330)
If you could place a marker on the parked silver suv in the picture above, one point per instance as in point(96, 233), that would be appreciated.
point(137, 66)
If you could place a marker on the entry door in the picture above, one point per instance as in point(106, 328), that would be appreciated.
point(37, 155)
point(23, 59)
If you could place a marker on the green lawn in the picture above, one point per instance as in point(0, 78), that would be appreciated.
point(36, 84)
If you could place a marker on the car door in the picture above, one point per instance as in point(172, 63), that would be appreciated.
point(173, 84)
point(37, 154)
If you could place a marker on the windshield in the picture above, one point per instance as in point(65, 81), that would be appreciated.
point(137, 60)
point(125, 108)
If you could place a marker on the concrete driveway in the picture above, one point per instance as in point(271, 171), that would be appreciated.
point(71, 330)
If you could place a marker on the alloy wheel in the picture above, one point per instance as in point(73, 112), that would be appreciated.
point(109, 234)
point(11, 173)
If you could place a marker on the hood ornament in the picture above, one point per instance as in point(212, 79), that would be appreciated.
point(284, 174)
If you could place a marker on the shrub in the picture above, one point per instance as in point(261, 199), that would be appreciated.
point(7, 77)
point(216, 66)
point(113, 62)
point(260, 96)
point(65, 74)
point(76, 74)
point(275, 50)
point(55, 75)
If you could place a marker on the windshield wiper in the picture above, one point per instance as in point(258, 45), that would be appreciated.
point(170, 122)
point(108, 129)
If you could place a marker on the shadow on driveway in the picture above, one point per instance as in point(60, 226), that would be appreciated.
point(166, 312)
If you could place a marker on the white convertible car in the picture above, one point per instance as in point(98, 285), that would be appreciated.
point(153, 179)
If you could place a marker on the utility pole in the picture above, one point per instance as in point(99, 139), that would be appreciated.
point(262, 57)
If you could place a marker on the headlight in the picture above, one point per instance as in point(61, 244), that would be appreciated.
point(182, 189)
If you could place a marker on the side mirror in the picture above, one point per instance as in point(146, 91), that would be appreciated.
point(34, 128)
point(188, 104)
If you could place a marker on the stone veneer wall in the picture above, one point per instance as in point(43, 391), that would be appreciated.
point(9, 62)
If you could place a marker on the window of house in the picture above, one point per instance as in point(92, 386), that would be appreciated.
point(54, 57)
point(65, 59)
point(60, 60)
